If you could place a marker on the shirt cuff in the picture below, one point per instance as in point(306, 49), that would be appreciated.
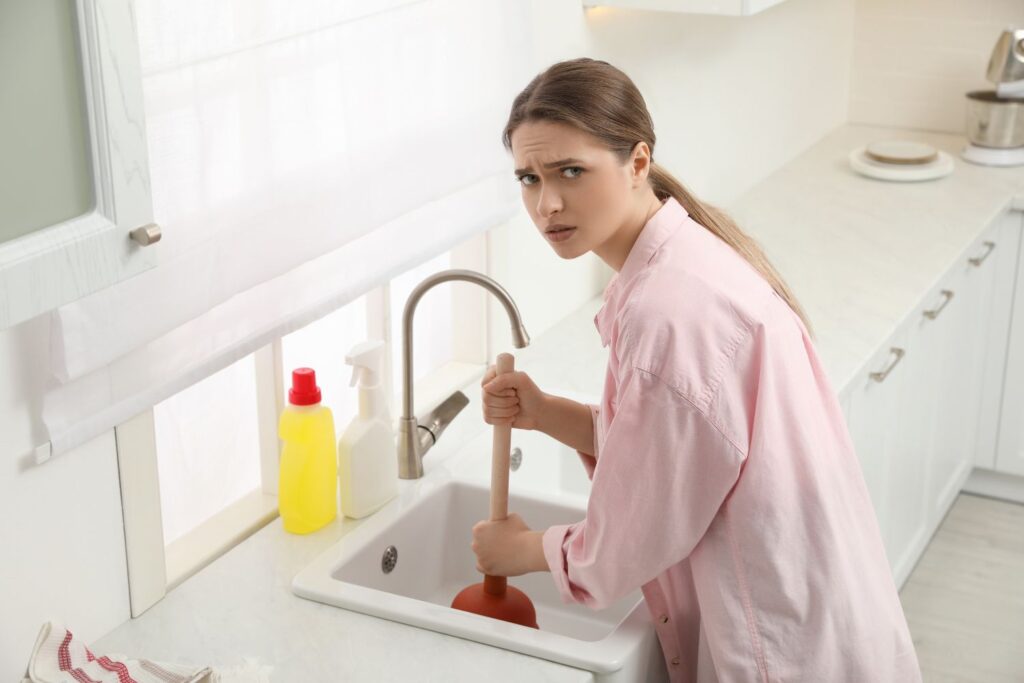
point(552, 541)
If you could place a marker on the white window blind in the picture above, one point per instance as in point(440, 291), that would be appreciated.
point(301, 154)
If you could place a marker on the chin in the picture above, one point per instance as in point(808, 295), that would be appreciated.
point(569, 254)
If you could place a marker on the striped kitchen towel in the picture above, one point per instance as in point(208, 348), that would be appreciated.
point(58, 657)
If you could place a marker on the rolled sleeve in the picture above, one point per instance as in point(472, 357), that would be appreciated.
point(665, 471)
point(590, 460)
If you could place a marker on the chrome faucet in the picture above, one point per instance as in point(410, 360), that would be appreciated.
point(414, 440)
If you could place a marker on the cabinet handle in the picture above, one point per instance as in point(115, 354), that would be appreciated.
point(934, 313)
point(880, 376)
point(146, 235)
point(978, 260)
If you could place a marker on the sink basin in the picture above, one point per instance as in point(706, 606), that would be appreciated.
point(407, 562)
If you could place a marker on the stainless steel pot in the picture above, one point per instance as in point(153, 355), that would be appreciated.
point(994, 121)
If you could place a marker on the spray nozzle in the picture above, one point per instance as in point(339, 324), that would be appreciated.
point(365, 359)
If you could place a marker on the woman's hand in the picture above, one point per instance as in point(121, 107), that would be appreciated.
point(513, 399)
point(508, 547)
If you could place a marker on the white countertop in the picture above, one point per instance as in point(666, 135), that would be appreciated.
point(858, 253)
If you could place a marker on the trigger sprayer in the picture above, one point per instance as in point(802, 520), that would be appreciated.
point(366, 360)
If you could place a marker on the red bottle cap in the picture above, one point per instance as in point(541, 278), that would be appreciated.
point(304, 391)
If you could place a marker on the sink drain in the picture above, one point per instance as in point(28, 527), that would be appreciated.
point(389, 560)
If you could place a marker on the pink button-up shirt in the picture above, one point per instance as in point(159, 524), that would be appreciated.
point(724, 481)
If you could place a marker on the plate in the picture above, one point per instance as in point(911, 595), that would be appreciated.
point(865, 165)
point(901, 152)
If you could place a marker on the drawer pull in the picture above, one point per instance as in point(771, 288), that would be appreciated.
point(934, 313)
point(898, 356)
point(978, 260)
point(146, 235)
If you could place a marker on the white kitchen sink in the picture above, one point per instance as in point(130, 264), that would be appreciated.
point(423, 537)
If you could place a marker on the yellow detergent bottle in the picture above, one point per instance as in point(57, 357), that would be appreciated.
point(308, 482)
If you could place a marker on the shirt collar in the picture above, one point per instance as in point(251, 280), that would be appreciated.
point(658, 228)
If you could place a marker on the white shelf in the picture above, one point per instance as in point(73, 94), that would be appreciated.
point(736, 8)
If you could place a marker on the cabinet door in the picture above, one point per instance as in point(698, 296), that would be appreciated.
point(952, 384)
point(74, 177)
point(1010, 450)
point(993, 339)
point(873, 403)
point(912, 446)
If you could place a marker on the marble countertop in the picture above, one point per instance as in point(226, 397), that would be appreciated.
point(858, 253)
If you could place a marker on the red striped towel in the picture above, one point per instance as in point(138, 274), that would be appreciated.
point(58, 657)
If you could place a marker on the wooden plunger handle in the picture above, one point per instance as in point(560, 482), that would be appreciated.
point(501, 448)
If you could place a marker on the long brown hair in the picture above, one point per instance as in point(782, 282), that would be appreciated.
point(595, 97)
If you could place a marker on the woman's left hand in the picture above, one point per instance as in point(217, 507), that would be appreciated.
point(508, 547)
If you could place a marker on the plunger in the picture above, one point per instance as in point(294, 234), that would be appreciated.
point(494, 597)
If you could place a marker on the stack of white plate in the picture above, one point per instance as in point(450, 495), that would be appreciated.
point(901, 160)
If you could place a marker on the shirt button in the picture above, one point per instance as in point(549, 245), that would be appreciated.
point(675, 661)
point(663, 618)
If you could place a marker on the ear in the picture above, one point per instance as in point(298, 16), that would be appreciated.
point(640, 162)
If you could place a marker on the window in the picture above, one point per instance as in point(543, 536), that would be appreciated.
point(199, 471)
point(432, 324)
point(322, 346)
point(203, 437)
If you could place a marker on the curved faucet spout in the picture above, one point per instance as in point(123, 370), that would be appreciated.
point(413, 444)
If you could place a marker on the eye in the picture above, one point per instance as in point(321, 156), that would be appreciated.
point(530, 179)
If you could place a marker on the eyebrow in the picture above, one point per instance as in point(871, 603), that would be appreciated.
point(553, 164)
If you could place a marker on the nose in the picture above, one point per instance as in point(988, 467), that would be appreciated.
point(548, 202)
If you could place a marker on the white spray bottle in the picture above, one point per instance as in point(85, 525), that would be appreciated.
point(367, 457)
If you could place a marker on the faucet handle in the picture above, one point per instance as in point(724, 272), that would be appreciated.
point(414, 439)
point(437, 420)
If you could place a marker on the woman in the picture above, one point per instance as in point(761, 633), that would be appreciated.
point(724, 481)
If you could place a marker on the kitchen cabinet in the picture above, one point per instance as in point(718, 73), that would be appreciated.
point(995, 345)
point(873, 405)
point(915, 411)
point(1010, 447)
point(725, 7)
point(74, 178)
point(951, 391)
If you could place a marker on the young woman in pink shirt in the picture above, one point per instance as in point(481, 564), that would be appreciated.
point(724, 481)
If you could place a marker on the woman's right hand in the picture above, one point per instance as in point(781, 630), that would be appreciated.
point(512, 399)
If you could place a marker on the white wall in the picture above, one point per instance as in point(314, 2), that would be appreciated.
point(915, 60)
point(61, 532)
point(733, 98)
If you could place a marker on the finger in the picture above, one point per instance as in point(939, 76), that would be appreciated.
point(501, 413)
point(496, 385)
point(498, 388)
point(501, 401)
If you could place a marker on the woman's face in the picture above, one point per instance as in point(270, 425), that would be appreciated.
point(568, 177)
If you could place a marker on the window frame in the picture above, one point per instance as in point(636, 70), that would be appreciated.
point(154, 568)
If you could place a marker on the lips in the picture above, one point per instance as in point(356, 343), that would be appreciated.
point(559, 227)
point(558, 235)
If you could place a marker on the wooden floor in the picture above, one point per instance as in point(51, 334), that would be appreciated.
point(964, 601)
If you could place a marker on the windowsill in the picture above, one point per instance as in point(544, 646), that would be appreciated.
point(220, 533)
